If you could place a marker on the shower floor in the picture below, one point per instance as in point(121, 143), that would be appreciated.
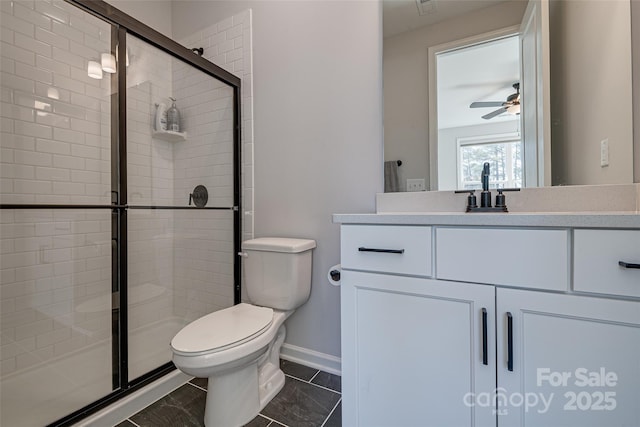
point(47, 392)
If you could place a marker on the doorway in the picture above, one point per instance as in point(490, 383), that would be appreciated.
point(473, 80)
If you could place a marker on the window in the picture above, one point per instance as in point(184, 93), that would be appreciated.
point(504, 154)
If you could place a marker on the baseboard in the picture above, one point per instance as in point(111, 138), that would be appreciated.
point(135, 402)
point(314, 359)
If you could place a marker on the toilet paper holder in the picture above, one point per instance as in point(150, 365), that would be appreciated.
point(334, 275)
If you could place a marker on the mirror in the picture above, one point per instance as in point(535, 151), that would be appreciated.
point(589, 108)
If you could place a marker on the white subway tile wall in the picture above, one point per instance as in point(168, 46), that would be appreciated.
point(206, 105)
point(150, 172)
point(180, 282)
point(55, 148)
point(55, 296)
point(203, 263)
point(55, 118)
point(229, 45)
point(55, 274)
point(150, 163)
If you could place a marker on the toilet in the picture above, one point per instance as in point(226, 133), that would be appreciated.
point(238, 348)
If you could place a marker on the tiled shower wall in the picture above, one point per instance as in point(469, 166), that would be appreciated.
point(229, 45)
point(150, 181)
point(55, 272)
point(187, 254)
point(203, 240)
point(55, 119)
point(55, 146)
point(54, 265)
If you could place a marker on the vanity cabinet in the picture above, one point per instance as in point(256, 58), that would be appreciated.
point(418, 350)
point(412, 348)
point(575, 360)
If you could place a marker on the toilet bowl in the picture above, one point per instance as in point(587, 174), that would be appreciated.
point(238, 348)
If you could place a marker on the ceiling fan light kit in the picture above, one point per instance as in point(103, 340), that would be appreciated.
point(511, 106)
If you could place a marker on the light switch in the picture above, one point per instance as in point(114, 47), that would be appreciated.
point(604, 153)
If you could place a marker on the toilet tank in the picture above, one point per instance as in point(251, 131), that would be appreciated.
point(277, 271)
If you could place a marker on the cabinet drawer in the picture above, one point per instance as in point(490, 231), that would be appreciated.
point(512, 257)
point(385, 248)
point(595, 261)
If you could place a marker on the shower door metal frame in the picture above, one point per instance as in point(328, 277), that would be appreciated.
point(122, 25)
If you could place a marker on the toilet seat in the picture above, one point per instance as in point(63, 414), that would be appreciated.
point(222, 329)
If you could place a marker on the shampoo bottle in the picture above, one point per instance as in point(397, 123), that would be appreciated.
point(160, 123)
point(173, 117)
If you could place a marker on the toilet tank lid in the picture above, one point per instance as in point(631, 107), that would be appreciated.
point(279, 244)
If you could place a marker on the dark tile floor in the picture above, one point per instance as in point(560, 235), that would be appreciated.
point(309, 398)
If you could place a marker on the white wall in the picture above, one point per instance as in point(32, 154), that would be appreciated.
point(591, 93)
point(154, 13)
point(406, 79)
point(318, 136)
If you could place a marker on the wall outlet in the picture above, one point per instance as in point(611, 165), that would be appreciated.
point(415, 184)
point(604, 153)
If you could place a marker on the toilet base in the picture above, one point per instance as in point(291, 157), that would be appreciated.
point(232, 398)
point(271, 386)
point(235, 397)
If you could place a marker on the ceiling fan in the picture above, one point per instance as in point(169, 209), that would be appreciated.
point(511, 106)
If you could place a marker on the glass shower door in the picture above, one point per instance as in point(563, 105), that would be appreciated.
point(180, 242)
point(104, 255)
point(56, 276)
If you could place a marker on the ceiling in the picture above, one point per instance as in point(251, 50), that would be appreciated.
point(402, 15)
point(482, 73)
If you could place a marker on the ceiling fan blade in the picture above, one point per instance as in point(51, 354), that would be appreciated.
point(495, 113)
point(486, 104)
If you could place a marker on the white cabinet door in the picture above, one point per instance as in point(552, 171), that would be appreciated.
point(575, 360)
point(412, 351)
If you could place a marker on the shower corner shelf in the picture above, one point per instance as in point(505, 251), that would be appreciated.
point(169, 135)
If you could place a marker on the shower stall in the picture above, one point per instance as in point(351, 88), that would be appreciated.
point(107, 248)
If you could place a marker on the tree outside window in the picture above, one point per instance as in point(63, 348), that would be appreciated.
point(504, 157)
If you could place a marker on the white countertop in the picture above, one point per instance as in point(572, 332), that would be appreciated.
point(538, 219)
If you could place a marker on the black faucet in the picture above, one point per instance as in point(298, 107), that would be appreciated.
point(485, 196)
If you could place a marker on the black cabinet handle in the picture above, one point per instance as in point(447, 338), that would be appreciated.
point(386, 251)
point(628, 265)
point(485, 356)
point(509, 341)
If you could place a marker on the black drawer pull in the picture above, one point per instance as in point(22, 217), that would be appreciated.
point(485, 344)
point(386, 251)
point(628, 265)
point(509, 342)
